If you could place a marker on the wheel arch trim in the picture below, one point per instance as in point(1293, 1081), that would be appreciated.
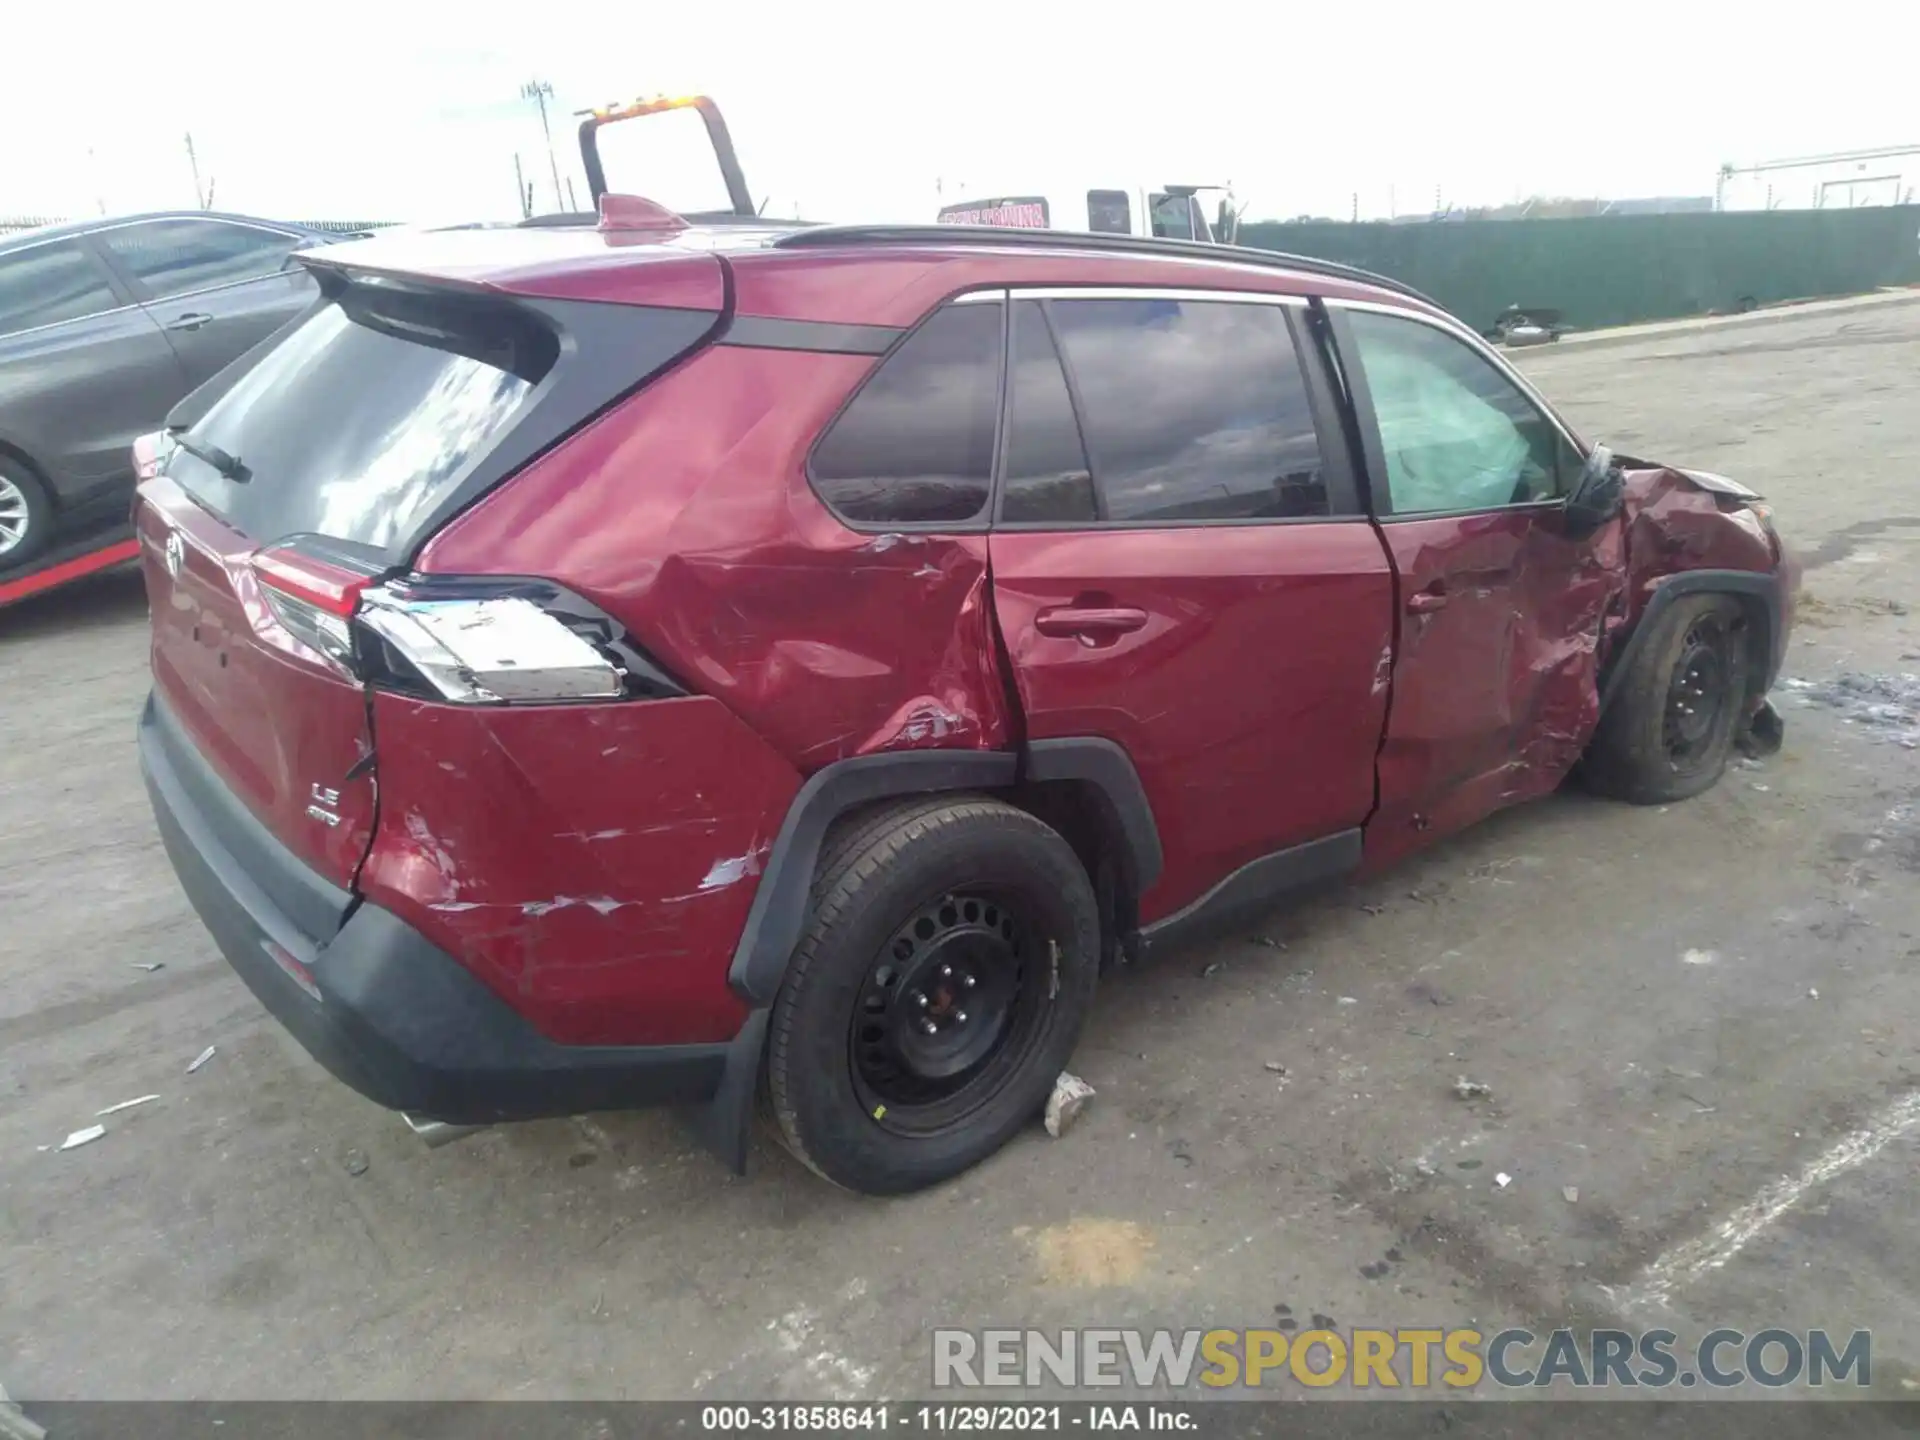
point(1759, 589)
point(779, 909)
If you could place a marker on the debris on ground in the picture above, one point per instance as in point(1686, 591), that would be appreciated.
point(1212, 968)
point(1276, 1067)
point(1466, 1089)
point(1502, 1179)
point(1813, 994)
point(83, 1137)
point(200, 1059)
point(1374, 909)
point(1570, 1194)
point(1269, 942)
point(1698, 957)
point(149, 965)
point(1069, 1098)
point(1887, 704)
point(1348, 1000)
point(1424, 1166)
point(123, 1105)
point(356, 1162)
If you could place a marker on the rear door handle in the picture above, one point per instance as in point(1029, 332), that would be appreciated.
point(1068, 621)
point(1427, 601)
point(192, 320)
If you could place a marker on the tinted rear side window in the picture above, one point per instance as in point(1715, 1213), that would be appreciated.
point(49, 284)
point(176, 257)
point(1192, 409)
point(915, 447)
point(367, 414)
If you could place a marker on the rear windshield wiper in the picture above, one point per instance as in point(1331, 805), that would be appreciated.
point(229, 466)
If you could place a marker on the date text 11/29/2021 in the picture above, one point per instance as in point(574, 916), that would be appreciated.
point(944, 1419)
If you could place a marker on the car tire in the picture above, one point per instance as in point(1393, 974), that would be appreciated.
point(23, 505)
point(857, 1089)
point(1672, 725)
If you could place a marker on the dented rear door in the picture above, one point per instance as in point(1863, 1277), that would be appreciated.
point(1180, 566)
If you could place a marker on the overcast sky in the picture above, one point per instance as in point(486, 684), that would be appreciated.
point(856, 110)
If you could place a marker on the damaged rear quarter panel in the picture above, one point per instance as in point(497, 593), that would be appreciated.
point(687, 513)
point(591, 864)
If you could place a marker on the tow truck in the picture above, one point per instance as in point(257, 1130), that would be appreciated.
point(1167, 212)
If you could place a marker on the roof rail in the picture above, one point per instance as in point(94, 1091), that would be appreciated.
point(984, 235)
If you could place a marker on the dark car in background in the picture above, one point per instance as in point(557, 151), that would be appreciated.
point(104, 326)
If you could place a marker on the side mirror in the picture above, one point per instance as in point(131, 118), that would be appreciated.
point(1596, 496)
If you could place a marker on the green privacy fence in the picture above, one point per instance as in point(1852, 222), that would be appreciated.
point(1622, 269)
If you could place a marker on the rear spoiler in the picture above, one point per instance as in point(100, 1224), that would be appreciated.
point(737, 193)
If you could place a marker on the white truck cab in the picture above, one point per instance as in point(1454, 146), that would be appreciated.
point(1171, 212)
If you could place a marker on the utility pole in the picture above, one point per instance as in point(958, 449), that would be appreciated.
point(200, 197)
point(541, 91)
point(520, 191)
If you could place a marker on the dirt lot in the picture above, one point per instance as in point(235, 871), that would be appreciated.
point(1675, 1008)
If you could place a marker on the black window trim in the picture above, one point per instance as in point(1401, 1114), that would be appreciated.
point(980, 523)
point(143, 293)
point(1345, 504)
point(115, 285)
point(1347, 354)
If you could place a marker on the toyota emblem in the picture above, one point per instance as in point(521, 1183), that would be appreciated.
point(176, 554)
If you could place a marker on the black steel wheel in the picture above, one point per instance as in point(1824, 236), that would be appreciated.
point(950, 1007)
point(1669, 730)
point(936, 994)
point(1697, 692)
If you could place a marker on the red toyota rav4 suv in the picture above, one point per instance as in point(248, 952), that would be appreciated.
point(657, 663)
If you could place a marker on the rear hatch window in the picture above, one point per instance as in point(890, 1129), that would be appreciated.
point(367, 415)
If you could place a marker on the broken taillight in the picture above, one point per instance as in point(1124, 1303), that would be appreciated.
point(483, 640)
point(489, 649)
point(475, 641)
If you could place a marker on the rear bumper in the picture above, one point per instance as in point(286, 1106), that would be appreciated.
point(375, 1002)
